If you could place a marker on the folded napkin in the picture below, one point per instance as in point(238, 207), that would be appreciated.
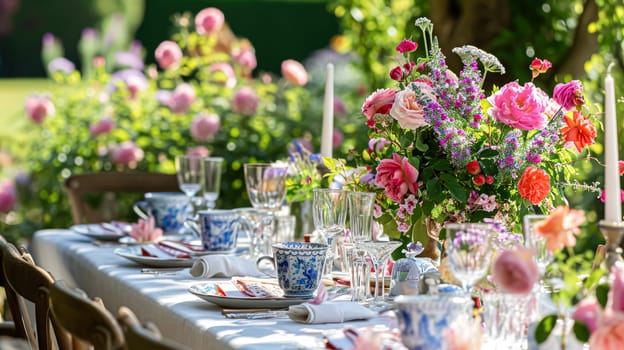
point(224, 266)
point(160, 251)
point(329, 312)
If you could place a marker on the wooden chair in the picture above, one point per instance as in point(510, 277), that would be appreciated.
point(107, 183)
point(84, 318)
point(14, 305)
point(143, 337)
point(32, 283)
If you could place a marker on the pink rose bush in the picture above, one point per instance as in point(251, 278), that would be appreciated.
point(118, 113)
point(442, 149)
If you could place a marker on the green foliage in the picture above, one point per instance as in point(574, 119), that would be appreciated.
point(544, 328)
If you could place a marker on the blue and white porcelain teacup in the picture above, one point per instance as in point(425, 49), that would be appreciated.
point(218, 229)
point(423, 318)
point(299, 266)
point(169, 209)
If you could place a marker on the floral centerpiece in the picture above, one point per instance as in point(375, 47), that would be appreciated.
point(443, 150)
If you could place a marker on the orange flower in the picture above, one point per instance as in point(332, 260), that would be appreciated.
point(534, 185)
point(560, 227)
point(579, 130)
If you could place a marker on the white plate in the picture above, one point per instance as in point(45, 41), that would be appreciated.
point(134, 253)
point(208, 292)
point(99, 232)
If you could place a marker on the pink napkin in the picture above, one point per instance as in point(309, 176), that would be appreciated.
point(160, 251)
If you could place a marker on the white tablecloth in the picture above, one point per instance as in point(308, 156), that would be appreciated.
point(164, 299)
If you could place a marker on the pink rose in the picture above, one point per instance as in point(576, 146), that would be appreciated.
point(127, 154)
point(294, 72)
point(205, 126)
point(610, 333)
point(223, 73)
point(515, 271)
point(38, 107)
point(520, 107)
point(104, 126)
point(397, 176)
point(379, 101)
point(181, 98)
point(209, 20)
point(8, 197)
point(569, 95)
point(199, 151)
point(407, 111)
point(616, 296)
point(168, 55)
point(245, 101)
point(407, 46)
point(247, 59)
point(337, 138)
point(146, 230)
point(588, 311)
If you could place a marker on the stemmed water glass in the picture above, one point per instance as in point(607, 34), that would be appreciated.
point(533, 240)
point(469, 252)
point(266, 188)
point(379, 251)
point(360, 229)
point(329, 210)
point(189, 171)
point(211, 180)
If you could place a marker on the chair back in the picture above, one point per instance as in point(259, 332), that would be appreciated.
point(107, 184)
point(86, 319)
point(13, 307)
point(143, 337)
point(32, 283)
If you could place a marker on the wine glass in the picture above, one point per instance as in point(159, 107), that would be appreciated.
point(189, 171)
point(469, 252)
point(266, 188)
point(379, 251)
point(533, 240)
point(329, 210)
point(211, 180)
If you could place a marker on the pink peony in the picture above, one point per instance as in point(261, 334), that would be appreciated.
point(515, 271)
point(520, 107)
point(209, 20)
point(397, 176)
point(127, 154)
point(104, 126)
point(588, 311)
point(407, 111)
point(294, 72)
point(146, 230)
point(38, 107)
point(223, 73)
point(205, 126)
point(245, 101)
point(168, 55)
point(569, 95)
point(181, 98)
point(247, 59)
point(199, 151)
point(8, 197)
point(379, 101)
point(337, 138)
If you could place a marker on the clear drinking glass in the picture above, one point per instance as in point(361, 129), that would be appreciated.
point(380, 252)
point(329, 210)
point(266, 188)
point(469, 252)
point(189, 171)
point(211, 180)
point(533, 240)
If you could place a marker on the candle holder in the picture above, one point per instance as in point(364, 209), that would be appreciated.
point(613, 232)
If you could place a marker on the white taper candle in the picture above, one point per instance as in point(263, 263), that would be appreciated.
point(613, 204)
point(327, 131)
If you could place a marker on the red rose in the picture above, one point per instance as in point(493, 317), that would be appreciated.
point(489, 179)
point(534, 185)
point(479, 180)
point(473, 167)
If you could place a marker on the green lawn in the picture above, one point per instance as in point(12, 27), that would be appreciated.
point(15, 127)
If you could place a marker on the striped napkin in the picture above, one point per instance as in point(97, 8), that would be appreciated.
point(170, 249)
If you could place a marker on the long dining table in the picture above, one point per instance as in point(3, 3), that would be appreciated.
point(163, 298)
